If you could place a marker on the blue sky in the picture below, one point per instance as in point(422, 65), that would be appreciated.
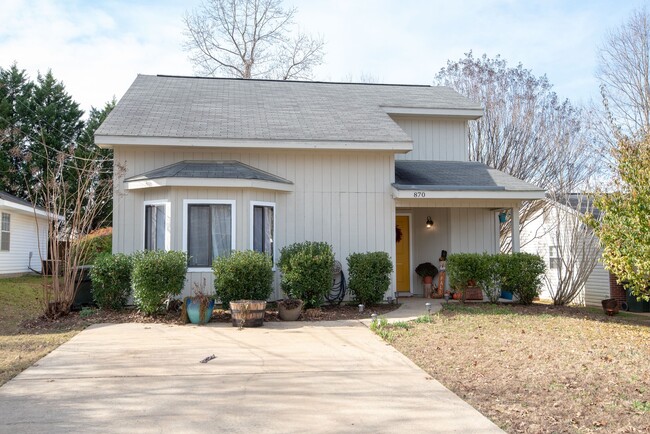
point(98, 47)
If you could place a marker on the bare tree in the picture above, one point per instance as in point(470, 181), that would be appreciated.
point(526, 131)
point(624, 74)
point(250, 39)
point(73, 192)
point(577, 246)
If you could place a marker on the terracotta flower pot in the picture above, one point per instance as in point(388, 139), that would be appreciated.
point(428, 279)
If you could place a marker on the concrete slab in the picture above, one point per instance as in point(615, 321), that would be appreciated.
point(283, 377)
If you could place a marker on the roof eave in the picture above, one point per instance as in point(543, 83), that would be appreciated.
point(138, 184)
point(463, 113)
point(109, 141)
point(465, 192)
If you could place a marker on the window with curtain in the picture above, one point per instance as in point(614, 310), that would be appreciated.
point(263, 229)
point(5, 232)
point(209, 233)
point(155, 227)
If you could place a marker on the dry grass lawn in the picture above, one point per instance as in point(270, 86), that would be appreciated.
point(21, 347)
point(538, 369)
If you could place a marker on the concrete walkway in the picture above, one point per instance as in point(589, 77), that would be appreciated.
point(322, 377)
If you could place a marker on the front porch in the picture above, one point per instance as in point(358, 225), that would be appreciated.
point(451, 206)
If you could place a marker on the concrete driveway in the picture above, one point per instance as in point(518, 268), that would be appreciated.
point(283, 378)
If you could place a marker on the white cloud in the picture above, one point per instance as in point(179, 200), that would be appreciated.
point(97, 48)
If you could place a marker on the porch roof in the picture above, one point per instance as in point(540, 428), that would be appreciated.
point(218, 173)
point(458, 179)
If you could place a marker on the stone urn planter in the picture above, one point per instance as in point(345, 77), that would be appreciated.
point(290, 309)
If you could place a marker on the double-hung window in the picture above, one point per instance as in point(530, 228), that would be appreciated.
point(156, 226)
point(209, 232)
point(263, 220)
point(554, 260)
point(5, 231)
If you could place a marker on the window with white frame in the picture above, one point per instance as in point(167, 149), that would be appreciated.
point(210, 232)
point(5, 232)
point(156, 226)
point(263, 220)
point(554, 260)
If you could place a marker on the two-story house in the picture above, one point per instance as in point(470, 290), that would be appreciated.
point(215, 164)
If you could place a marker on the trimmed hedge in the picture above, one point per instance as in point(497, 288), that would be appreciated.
point(369, 276)
point(244, 275)
point(307, 271)
point(111, 278)
point(519, 273)
point(157, 275)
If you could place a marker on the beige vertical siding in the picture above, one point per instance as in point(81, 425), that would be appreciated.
point(435, 139)
point(597, 286)
point(339, 197)
point(23, 240)
point(473, 230)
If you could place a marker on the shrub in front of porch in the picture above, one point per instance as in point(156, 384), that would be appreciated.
point(521, 274)
point(157, 275)
point(244, 275)
point(307, 271)
point(369, 276)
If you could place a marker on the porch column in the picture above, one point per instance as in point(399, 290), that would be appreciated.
point(515, 229)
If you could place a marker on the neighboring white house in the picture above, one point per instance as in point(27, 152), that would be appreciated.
point(214, 164)
point(550, 233)
point(23, 234)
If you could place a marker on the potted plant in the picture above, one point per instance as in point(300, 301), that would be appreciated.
point(290, 309)
point(244, 281)
point(198, 308)
point(426, 271)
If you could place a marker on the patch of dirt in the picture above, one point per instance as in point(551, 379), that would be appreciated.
point(540, 368)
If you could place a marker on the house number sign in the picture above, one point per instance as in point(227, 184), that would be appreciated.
point(419, 194)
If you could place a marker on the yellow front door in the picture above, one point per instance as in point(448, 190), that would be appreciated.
point(403, 255)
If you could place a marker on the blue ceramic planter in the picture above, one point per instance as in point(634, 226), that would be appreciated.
point(194, 314)
point(506, 294)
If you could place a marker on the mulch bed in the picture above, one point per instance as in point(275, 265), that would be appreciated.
point(82, 319)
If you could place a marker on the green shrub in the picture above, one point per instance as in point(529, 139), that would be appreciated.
point(369, 276)
point(307, 271)
point(246, 275)
point(461, 269)
point(111, 277)
point(93, 246)
point(157, 275)
point(521, 274)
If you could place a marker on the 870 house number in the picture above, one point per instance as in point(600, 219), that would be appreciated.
point(419, 194)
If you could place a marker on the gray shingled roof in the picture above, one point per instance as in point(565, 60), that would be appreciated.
point(454, 176)
point(226, 108)
point(209, 169)
point(11, 198)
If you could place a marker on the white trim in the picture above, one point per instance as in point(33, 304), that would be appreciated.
point(467, 194)
point(24, 208)
point(233, 225)
point(207, 182)
point(471, 114)
point(251, 221)
point(168, 220)
point(108, 141)
point(410, 216)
